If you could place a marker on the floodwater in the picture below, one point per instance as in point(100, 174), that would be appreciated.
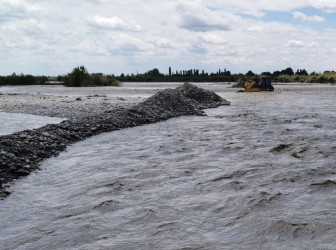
point(11, 122)
point(259, 174)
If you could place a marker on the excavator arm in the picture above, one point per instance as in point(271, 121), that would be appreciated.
point(249, 86)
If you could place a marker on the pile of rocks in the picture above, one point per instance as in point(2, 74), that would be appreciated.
point(22, 152)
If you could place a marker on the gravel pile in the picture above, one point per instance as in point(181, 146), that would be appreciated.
point(22, 152)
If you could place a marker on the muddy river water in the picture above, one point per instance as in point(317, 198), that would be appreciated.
point(259, 174)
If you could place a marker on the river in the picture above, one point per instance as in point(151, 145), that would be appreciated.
point(11, 122)
point(259, 174)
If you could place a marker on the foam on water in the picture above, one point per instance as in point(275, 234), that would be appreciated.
point(256, 175)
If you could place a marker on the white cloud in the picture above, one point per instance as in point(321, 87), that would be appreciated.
point(198, 18)
point(313, 45)
point(305, 18)
point(257, 8)
point(271, 28)
point(18, 9)
point(295, 44)
point(23, 27)
point(96, 1)
point(138, 35)
point(198, 49)
point(324, 5)
point(112, 23)
point(160, 42)
point(214, 37)
point(93, 47)
point(197, 24)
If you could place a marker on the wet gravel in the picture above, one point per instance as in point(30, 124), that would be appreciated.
point(63, 106)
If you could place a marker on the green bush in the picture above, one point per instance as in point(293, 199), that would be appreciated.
point(79, 77)
point(331, 79)
point(285, 78)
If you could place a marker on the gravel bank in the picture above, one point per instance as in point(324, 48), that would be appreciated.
point(21, 153)
point(63, 106)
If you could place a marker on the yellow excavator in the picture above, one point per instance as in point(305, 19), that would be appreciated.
point(265, 84)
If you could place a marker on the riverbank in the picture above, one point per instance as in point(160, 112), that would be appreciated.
point(63, 106)
point(21, 153)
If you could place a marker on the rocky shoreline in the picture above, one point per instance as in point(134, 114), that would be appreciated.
point(22, 152)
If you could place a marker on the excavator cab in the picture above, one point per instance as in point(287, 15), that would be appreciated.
point(265, 84)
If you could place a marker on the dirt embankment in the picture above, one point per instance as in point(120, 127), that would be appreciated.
point(22, 152)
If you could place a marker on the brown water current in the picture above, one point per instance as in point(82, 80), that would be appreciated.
point(259, 174)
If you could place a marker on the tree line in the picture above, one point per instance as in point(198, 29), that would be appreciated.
point(22, 79)
point(194, 75)
point(80, 77)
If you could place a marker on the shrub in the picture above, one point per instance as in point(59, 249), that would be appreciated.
point(79, 77)
point(284, 78)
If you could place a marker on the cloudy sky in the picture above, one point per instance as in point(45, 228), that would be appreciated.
point(133, 36)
